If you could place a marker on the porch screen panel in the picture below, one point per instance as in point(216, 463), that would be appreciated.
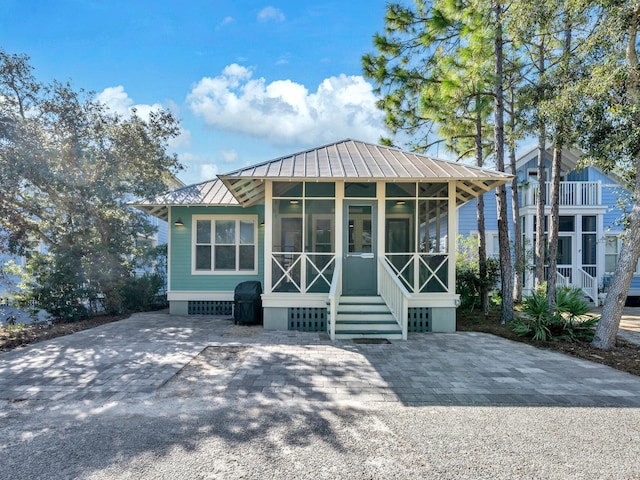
point(319, 242)
point(434, 259)
point(400, 237)
point(287, 245)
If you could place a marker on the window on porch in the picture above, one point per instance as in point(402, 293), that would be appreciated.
point(416, 225)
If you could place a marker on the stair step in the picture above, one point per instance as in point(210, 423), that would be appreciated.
point(352, 307)
point(367, 327)
point(365, 317)
point(390, 321)
point(361, 300)
point(397, 335)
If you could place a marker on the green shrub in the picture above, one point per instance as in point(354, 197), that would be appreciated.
point(142, 293)
point(570, 322)
point(468, 282)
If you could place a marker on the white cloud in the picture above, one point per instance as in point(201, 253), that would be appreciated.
point(118, 101)
point(226, 21)
point(183, 140)
point(208, 170)
point(284, 112)
point(228, 156)
point(271, 13)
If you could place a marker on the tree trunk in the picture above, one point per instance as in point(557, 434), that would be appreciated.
point(556, 166)
point(542, 177)
point(506, 313)
point(554, 226)
point(515, 213)
point(607, 329)
point(482, 238)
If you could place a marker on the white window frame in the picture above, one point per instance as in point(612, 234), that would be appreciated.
point(212, 219)
point(618, 238)
point(491, 237)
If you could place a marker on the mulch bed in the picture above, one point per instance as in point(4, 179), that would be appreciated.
point(19, 336)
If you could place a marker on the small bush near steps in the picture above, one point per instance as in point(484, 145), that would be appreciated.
point(570, 322)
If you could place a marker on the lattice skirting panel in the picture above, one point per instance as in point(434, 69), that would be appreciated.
point(419, 319)
point(308, 319)
point(210, 307)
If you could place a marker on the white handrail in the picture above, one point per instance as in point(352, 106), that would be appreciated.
point(335, 291)
point(395, 295)
point(561, 279)
point(589, 285)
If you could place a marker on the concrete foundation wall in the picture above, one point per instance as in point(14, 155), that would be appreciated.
point(276, 318)
point(177, 307)
point(443, 320)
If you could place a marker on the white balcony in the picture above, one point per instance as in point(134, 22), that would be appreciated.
point(574, 194)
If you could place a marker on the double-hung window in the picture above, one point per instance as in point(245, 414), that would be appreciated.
point(224, 245)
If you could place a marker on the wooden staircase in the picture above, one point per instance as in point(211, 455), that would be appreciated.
point(365, 317)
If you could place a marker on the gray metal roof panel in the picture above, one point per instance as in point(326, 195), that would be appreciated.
point(212, 192)
point(353, 159)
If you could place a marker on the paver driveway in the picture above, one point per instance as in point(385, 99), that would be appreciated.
point(136, 357)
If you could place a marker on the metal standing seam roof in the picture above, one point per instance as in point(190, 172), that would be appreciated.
point(355, 160)
point(212, 192)
point(345, 160)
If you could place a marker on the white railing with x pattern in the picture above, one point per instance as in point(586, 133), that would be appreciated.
point(395, 295)
point(420, 272)
point(299, 272)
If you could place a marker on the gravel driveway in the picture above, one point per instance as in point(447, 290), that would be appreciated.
point(229, 407)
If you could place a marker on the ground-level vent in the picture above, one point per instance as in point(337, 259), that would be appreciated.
point(419, 319)
point(308, 319)
point(210, 307)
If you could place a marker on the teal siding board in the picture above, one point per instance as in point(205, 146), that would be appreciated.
point(181, 250)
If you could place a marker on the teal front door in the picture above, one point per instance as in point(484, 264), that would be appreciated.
point(359, 269)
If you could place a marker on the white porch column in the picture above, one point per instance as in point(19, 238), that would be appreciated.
point(577, 261)
point(381, 195)
point(452, 232)
point(600, 248)
point(339, 219)
point(268, 236)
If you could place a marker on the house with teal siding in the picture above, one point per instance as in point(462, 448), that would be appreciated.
point(590, 213)
point(351, 238)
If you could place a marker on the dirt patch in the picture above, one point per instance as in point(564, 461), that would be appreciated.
point(207, 374)
point(625, 356)
point(21, 335)
point(243, 331)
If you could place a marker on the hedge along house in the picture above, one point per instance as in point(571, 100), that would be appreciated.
point(352, 238)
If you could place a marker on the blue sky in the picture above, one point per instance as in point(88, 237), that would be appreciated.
point(249, 80)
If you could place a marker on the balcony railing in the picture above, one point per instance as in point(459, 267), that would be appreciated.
point(577, 194)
